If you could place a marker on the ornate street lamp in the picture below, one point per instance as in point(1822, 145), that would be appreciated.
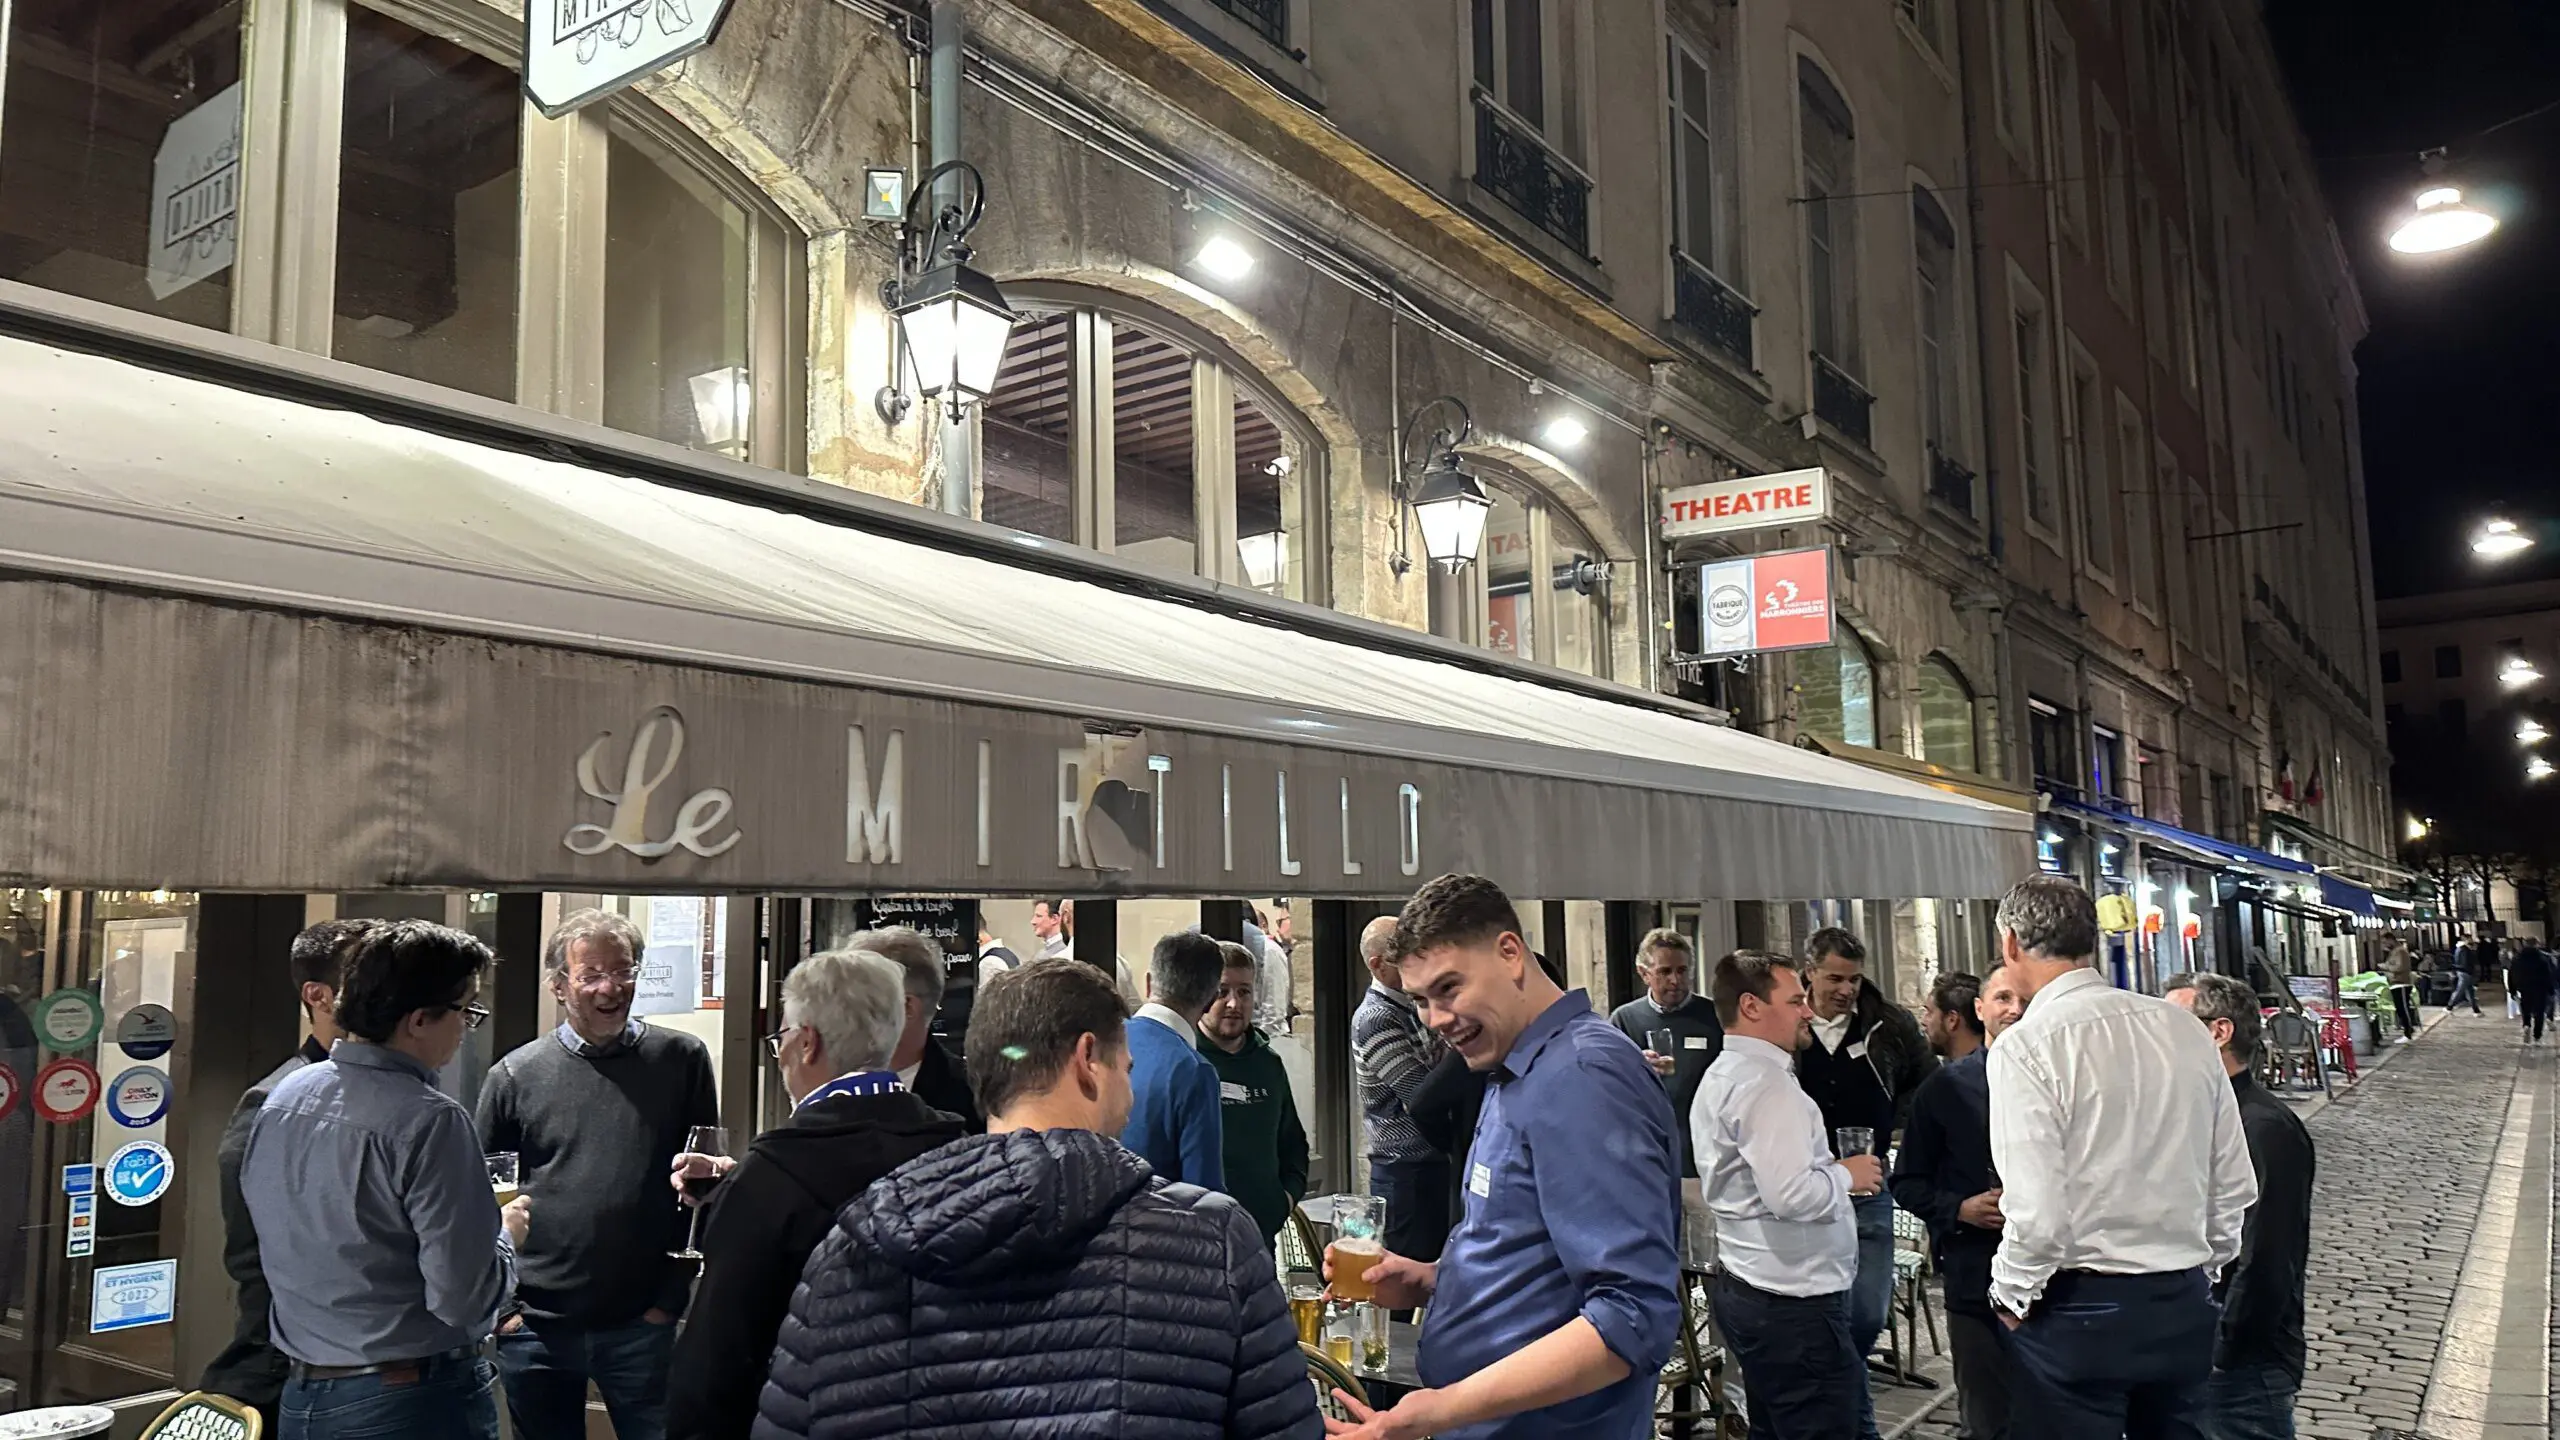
point(952, 318)
point(1448, 502)
point(2499, 538)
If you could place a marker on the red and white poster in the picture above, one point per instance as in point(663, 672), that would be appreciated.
point(1778, 601)
point(66, 1090)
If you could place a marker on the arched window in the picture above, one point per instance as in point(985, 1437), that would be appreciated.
point(1183, 461)
point(1947, 731)
point(1537, 589)
point(1836, 692)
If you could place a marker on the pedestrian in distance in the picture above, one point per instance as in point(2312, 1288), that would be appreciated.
point(1866, 1061)
point(2259, 1350)
point(1554, 1305)
point(384, 1250)
point(596, 1111)
point(1392, 1054)
point(251, 1369)
point(1265, 1147)
point(2466, 989)
point(1786, 1227)
point(924, 1064)
point(2124, 1179)
point(2402, 971)
point(844, 1014)
point(2531, 978)
point(1173, 1117)
point(1671, 1006)
point(1039, 1282)
point(1943, 1175)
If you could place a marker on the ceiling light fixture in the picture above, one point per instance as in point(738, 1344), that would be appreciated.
point(1224, 259)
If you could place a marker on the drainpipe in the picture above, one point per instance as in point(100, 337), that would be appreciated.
point(959, 436)
point(2003, 659)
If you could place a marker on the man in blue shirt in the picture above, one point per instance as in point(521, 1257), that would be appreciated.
point(386, 1254)
point(1173, 1111)
point(1555, 1304)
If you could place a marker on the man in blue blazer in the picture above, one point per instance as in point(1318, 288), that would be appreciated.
point(1173, 1114)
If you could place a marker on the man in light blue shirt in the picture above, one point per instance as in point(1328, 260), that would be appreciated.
point(1556, 1302)
point(384, 1247)
point(1786, 1235)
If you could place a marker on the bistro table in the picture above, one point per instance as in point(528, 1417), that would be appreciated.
point(1404, 1340)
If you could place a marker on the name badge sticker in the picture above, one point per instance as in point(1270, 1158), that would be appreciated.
point(1233, 1092)
point(1858, 1051)
point(1480, 1181)
point(1694, 1042)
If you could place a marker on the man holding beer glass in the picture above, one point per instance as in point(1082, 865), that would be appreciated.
point(1553, 1307)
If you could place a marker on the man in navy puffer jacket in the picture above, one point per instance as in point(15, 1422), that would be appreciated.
point(1038, 1281)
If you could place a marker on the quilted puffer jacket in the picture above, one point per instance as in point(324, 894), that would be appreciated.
point(1039, 1285)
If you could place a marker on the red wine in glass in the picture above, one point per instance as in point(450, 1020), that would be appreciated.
point(706, 1140)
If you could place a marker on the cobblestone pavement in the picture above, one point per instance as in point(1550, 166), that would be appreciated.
point(2403, 1159)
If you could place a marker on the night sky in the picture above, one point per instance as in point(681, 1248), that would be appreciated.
point(2460, 378)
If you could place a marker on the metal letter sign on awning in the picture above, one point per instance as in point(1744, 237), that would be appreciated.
point(1778, 601)
point(581, 50)
point(1755, 502)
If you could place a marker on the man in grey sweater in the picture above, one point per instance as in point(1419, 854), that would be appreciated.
point(596, 1111)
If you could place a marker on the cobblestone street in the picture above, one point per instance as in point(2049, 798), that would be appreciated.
point(2407, 1160)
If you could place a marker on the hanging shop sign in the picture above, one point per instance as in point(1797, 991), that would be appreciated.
point(147, 1032)
point(67, 1020)
point(577, 51)
point(139, 1097)
point(195, 196)
point(66, 1090)
point(1757, 603)
point(139, 1173)
point(10, 1092)
point(1755, 502)
point(124, 1296)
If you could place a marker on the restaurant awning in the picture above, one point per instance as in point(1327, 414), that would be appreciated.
point(253, 640)
point(2347, 895)
point(1985, 788)
point(2202, 849)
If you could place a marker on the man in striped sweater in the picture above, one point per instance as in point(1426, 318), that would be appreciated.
point(1391, 1054)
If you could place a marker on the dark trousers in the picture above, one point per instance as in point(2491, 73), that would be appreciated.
point(1982, 1376)
point(2108, 1356)
point(2404, 999)
point(547, 1365)
point(1417, 1195)
point(449, 1398)
point(2253, 1402)
point(1800, 1375)
point(2537, 1013)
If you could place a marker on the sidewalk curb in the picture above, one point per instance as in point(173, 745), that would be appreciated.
point(2388, 1054)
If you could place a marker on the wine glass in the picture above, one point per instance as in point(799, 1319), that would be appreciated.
point(707, 1140)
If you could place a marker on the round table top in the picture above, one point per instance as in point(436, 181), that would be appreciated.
point(61, 1422)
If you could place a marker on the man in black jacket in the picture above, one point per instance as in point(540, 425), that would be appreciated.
point(251, 1369)
point(851, 1123)
point(2258, 1352)
point(2531, 978)
point(924, 1064)
point(1943, 1175)
point(1038, 1280)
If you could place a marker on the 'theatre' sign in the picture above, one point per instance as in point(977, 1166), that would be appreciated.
point(1755, 502)
point(1779, 601)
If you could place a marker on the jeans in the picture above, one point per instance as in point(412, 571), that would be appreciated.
point(549, 1362)
point(1417, 1196)
point(2108, 1356)
point(453, 1397)
point(1982, 1376)
point(1871, 1294)
point(2254, 1402)
point(1802, 1379)
point(2464, 993)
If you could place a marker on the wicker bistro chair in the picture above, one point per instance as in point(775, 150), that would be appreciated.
point(1328, 1376)
point(1693, 1401)
point(1911, 1309)
point(202, 1416)
point(1300, 1249)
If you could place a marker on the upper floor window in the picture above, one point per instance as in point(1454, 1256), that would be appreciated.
point(1705, 205)
point(1530, 145)
point(2052, 748)
point(1836, 692)
point(1830, 217)
point(1538, 591)
point(1933, 239)
point(1948, 733)
point(2012, 73)
point(2027, 357)
point(2390, 667)
point(2106, 762)
point(1179, 459)
point(1928, 20)
point(2115, 234)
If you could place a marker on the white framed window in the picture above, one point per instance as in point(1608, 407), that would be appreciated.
point(1706, 218)
point(1528, 136)
point(2012, 75)
point(1828, 138)
point(2099, 505)
point(2034, 408)
point(2115, 234)
point(2071, 157)
point(1926, 21)
point(2154, 278)
point(2181, 275)
point(2141, 523)
point(1935, 295)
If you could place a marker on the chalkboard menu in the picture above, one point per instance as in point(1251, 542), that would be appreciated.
point(952, 924)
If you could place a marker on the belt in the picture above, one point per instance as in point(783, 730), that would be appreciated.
point(394, 1372)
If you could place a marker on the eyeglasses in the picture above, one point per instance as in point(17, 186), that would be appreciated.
point(473, 1016)
point(773, 1042)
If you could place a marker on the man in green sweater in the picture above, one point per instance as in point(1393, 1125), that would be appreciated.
point(1266, 1147)
point(597, 1111)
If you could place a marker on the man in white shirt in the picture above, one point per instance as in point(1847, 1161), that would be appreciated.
point(1786, 1237)
point(2124, 1177)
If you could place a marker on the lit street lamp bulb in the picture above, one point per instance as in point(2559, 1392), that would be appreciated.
point(2537, 769)
point(1224, 259)
point(1565, 432)
point(2531, 733)
point(2498, 539)
point(2442, 223)
point(2518, 673)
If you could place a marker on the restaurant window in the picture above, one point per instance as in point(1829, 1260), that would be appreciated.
point(119, 152)
point(1538, 590)
point(677, 299)
point(1197, 448)
point(1836, 692)
point(1947, 733)
point(427, 206)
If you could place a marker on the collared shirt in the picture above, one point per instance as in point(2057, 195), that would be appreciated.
point(580, 1046)
point(1784, 1223)
point(376, 1224)
point(1172, 1020)
point(1572, 1209)
point(1391, 1054)
point(1834, 1032)
point(1053, 947)
point(2117, 1139)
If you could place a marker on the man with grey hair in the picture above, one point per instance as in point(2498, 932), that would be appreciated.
point(1672, 1007)
point(1174, 1124)
point(924, 1064)
point(596, 1111)
point(852, 1121)
point(2259, 1351)
point(2124, 1181)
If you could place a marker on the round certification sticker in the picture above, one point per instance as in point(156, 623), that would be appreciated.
point(9, 1092)
point(138, 1173)
point(147, 1032)
point(66, 1090)
point(67, 1019)
point(139, 1097)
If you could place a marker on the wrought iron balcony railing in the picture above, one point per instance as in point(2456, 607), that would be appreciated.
point(1950, 484)
point(1712, 310)
point(1840, 402)
point(1515, 163)
point(1267, 18)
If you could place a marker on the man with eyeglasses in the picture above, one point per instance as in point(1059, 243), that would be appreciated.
point(596, 1111)
point(384, 1251)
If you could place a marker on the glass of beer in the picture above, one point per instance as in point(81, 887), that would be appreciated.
point(1662, 1042)
point(1359, 1241)
point(1306, 1307)
point(1342, 1332)
point(505, 1170)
